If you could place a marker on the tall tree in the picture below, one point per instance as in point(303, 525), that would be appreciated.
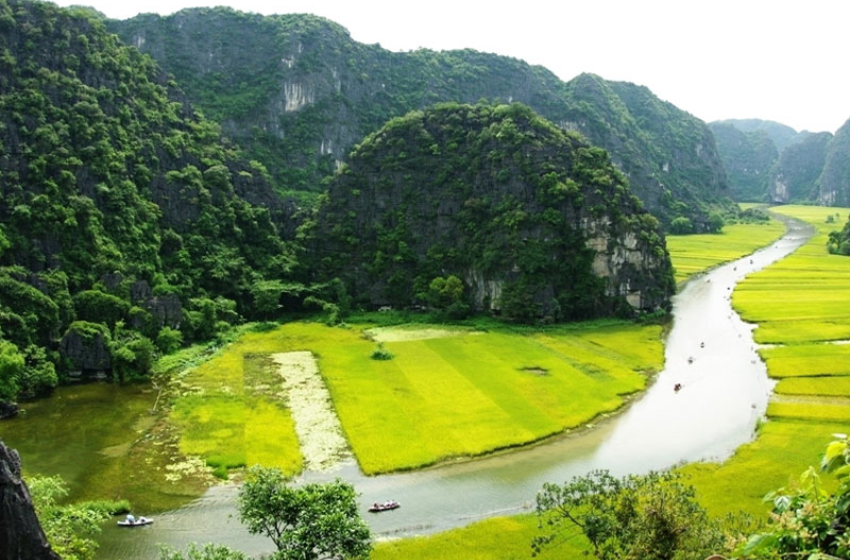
point(309, 522)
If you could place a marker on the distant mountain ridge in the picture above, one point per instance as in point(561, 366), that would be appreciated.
point(769, 161)
point(298, 93)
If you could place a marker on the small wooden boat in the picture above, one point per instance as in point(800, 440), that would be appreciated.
point(137, 523)
point(385, 506)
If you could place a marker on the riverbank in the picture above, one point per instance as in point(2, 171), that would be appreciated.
point(660, 429)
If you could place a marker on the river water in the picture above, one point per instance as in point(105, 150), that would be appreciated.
point(709, 351)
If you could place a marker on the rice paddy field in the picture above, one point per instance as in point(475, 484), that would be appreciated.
point(802, 308)
point(692, 254)
point(446, 393)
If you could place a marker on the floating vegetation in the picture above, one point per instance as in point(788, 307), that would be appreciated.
point(319, 432)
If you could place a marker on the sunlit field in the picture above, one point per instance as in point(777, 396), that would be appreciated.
point(502, 538)
point(798, 303)
point(463, 394)
point(692, 254)
point(782, 450)
point(801, 421)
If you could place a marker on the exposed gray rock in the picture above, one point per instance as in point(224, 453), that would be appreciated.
point(86, 350)
point(112, 280)
point(166, 310)
point(7, 410)
point(21, 535)
point(139, 291)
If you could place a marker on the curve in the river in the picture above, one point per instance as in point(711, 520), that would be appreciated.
point(709, 351)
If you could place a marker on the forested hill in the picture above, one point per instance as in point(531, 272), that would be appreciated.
point(748, 158)
point(769, 161)
point(533, 221)
point(125, 219)
point(297, 93)
point(780, 134)
point(834, 181)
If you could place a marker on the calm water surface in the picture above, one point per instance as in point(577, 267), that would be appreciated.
point(710, 351)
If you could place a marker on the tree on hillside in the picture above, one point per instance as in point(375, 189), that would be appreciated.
point(651, 517)
point(309, 522)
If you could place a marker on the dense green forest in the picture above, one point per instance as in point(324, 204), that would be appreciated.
point(297, 92)
point(128, 224)
point(533, 220)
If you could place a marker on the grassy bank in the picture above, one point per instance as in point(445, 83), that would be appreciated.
point(692, 254)
point(810, 408)
point(801, 304)
point(446, 393)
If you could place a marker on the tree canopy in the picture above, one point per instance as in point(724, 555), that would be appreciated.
point(307, 522)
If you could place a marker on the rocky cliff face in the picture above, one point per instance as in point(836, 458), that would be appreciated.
point(298, 93)
point(21, 536)
point(795, 175)
point(810, 168)
point(534, 220)
point(748, 158)
point(834, 180)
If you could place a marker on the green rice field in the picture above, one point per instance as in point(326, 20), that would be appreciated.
point(502, 538)
point(463, 393)
point(799, 303)
point(692, 254)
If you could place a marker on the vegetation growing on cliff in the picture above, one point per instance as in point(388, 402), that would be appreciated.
point(121, 206)
point(535, 222)
point(747, 157)
point(297, 92)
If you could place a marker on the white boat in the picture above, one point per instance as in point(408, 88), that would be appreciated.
point(136, 522)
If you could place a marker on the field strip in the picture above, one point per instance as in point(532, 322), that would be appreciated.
point(401, 334)
point(810, 399)
point(316, 424)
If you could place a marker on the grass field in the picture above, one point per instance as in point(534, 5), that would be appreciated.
point(502, 538)
point(692, 254)
point(801, 309)
point(461, 394)
point(798, 303)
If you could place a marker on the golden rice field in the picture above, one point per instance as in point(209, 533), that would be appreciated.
point(464, 394)
point(692, 254)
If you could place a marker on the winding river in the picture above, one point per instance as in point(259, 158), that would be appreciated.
point(710, 352)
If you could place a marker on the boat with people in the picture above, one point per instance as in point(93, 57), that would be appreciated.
point(384, 506)
point(132, 521)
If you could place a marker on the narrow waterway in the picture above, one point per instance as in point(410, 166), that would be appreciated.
point(724, 390)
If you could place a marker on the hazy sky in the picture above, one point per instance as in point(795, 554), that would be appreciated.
point(780, 60)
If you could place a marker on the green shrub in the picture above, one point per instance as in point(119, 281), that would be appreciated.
point(381, 353)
